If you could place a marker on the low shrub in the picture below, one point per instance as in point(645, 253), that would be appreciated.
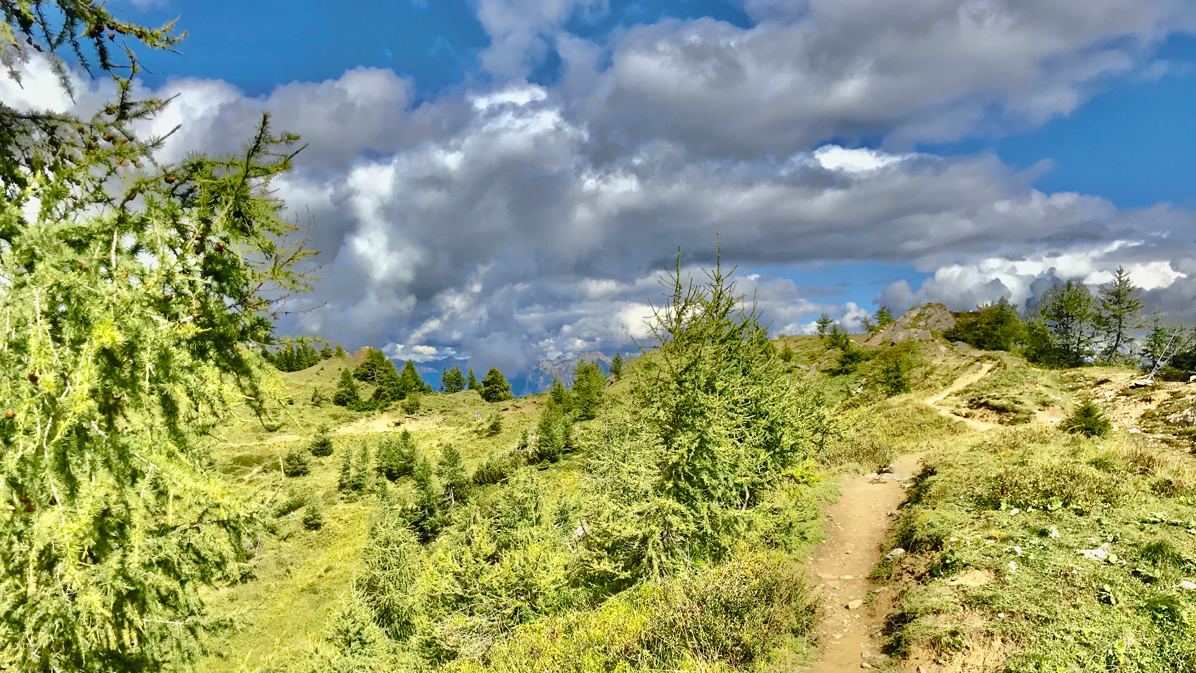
point(313, 518)
point(1087, 419)
point(296, 463)
point(729, 616)
point(321, 445)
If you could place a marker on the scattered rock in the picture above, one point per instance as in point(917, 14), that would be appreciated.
point(855, 605)
point(826, 576)
point(895, 553)
point(1098, 554)
point(847, 577)
point(887, 469)
point(1186, 584)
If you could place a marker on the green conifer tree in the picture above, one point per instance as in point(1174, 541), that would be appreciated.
point(409, 380)
point(346, 390)
point(453, 478)
point(616, 365)
point(425, 515)
point(375, 361)
point(133, 316)
point(340, 351)
point(1070, 314)
point(495, 387)
point(359, 481)
point(390, 386)
point(1119, 311)
point(321, 444)
point(823, 325)
point(473, 381)
point(344, 481)
point(588, 386)
point(884, 317)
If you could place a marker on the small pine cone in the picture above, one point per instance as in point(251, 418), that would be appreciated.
point(169, 178)
point(10, 414)
point(108, 137)
point(33, 377)
point(219, 246)
point(169, 297)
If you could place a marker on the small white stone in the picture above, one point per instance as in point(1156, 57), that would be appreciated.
point(1190, 586)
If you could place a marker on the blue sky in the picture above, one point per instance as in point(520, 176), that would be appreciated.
point(501, 180)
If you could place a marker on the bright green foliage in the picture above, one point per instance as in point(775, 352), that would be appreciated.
point(386, 377)
point(326, 352)
point(451, 473)
point(837, 338)
point(340, 351)
point(452, 380)
point(344, 480)
point(494, 425)
point(391, 564)
point(588, 385)
point(372, 366)
point(992, 327)
point(1069, 314)
point(409, 380)
point(787, 354)
point(616, 365)
point(412, 403)
point(346, 390)
point(133, 319)
point(321, 444)
point(506, 565)
point(495, 387)
point(355, 642)
point(552, 433)
point(293, 355)
point(362, 470)
point(473, 383)
point(708, 430)
point(721, 618)
point(884, 317)
point(313, 518)
point(396, 457)
point(1119, 310)
point(1087, 419)
point(498, 467)
point(296, 463)
point(824, 325)
point(424, 517)
point(892, 375)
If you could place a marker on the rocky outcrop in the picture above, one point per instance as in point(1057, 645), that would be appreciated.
point(918, 324)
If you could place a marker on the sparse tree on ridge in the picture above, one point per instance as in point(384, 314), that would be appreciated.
point(824, 324)
point(473, 381)
point(1119, 311)
point(616, 365)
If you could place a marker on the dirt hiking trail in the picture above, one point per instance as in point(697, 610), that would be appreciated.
point(856, 527)
point(961, 383)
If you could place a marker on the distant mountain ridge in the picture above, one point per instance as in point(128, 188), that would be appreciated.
point(562, 367)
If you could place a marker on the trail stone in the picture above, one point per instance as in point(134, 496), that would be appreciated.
point(855, 605)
